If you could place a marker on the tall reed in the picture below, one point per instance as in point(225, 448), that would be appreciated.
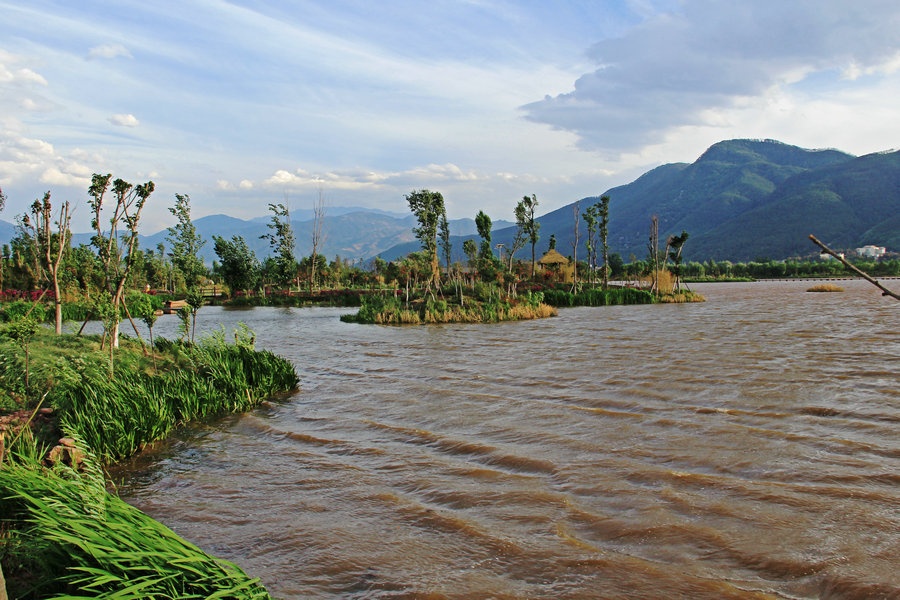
point(75, 540)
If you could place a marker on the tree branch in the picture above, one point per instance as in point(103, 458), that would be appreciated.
point(846, 263)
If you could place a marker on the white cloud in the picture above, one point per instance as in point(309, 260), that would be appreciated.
point(77, 176)
point(245, 184)
point(121, 120)
point(109, 51)
point(677, 69)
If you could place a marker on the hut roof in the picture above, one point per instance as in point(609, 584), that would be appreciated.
point(552, 257)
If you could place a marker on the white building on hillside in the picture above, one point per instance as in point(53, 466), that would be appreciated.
point(871, 251)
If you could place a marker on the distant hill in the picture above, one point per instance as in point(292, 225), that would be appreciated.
point(743, 200)
point(351, 233)
point(740, 200)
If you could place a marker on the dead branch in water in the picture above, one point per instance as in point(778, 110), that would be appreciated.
point(846, 263)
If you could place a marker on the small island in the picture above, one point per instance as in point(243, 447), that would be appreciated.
point(490, 289)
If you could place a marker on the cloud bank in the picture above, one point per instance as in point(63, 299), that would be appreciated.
point(682, 69)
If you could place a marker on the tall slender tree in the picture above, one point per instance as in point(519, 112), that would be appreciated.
point(591, 216)
point(576, 235)
point(318, 235)
point(604, 238)
point(52, 246)
point(281, 240)
point(525, 219)
point(186, 243)
point(674, 245)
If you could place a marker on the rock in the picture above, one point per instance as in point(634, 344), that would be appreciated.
point(67, 455)
point(67, 442)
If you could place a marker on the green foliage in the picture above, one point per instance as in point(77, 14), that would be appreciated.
point(11, 311)
point(186, 243)
point(76, 540)
point(238, 265)
point(118, 416)
point(388, 310)
point(281, 240)
point(597, 297)
point(428, 207)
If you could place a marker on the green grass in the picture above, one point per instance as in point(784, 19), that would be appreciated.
point(61, 534)
point(71, 539)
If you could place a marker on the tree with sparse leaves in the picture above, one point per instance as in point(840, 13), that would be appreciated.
point(52, 246)
point(116, 253)
point(525, 219)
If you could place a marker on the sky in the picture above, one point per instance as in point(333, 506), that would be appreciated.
point(243, 103)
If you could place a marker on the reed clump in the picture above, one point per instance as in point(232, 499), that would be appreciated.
point(825, 287)
point(64, 536)
point(390, 310)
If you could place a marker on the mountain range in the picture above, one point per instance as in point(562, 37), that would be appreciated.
point(740, 200)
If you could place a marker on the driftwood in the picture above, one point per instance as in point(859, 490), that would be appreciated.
point(863, 274)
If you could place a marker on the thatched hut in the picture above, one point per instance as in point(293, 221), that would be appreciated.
point(554, 262)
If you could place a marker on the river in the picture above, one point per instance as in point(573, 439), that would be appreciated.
point(745, 447)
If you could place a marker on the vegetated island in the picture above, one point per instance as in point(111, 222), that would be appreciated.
point(487, 290)
point(62, 533)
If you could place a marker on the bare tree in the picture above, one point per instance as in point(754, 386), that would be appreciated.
point(653, 256)
point(318, 235)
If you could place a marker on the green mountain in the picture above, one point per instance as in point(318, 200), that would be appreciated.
point(747, 199)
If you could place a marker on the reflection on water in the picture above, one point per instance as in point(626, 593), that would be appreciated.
point(746, 447)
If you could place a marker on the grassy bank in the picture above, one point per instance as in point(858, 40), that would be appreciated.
point(61, 533)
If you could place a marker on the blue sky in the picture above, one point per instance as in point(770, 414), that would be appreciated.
point(243, 103)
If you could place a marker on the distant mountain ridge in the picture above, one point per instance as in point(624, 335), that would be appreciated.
point(740, 200)
point(743, 200)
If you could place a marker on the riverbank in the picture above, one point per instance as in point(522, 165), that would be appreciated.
point(62, 531)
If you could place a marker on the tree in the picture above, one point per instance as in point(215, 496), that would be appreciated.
point(186, 243)
point(428, 207)
point(483, 225)
point(470, 249)
point(519, 238)
point(653, 254)
point(318, 237)
point(21, 331)
point(675, 244)
point(238, 264)
point(604, 235)
point(576, 209)
point(446, 244)
point(528, 225)
point(281, 240)
point(117, 256)
point(52, 248)
point(591, 216)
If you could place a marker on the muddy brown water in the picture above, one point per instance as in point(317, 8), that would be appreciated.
point(746, 447)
